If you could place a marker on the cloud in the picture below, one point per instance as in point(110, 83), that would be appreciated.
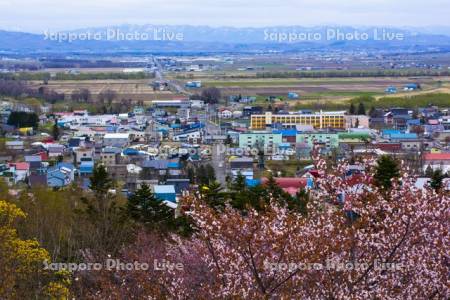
point(38, 15)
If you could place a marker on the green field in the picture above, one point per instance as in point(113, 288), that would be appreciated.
point(424, 100)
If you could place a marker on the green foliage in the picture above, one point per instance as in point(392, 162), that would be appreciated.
point(213, 195)
point(144, 208)
point(242, 197)
point(436, 180)
point(300, 202)
point(210, 173)
point(386, 170)
point(100, 181)
point(361, 109)
point(416, 101)
point(351, 110)
point(104, 215)
point(202, 175)
point(23, 119)
point(55, 131)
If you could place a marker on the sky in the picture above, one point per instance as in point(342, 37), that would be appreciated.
point(52, 15)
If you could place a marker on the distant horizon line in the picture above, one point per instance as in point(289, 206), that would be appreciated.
point(403, 27)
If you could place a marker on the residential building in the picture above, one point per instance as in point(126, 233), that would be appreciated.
point(329, 140)
point(117, 172)
point(86, 168)
point(83, 154)
point(260, 139)
point(437, 161)
point(110, 156)
point(15, 145)
point(60, 175)
point(165, 192)
point(191, 136)
point(318, 120)
point(20, 171)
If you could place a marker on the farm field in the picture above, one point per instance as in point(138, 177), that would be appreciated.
point(315, 93)
point(129, 89)
point(326, 91)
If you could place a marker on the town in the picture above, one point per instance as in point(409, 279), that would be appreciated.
point(224, 150)
point(166, 144)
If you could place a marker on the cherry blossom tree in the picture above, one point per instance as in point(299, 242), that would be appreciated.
point(356, 242)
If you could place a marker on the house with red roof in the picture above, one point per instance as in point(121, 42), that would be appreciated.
point(20, 171)
point(291, 185)
point(437, 161)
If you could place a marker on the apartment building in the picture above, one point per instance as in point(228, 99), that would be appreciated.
point(318, 120)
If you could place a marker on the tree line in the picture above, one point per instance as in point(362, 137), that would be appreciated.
point(45, 76)
point(20, 89)
point(352, 73)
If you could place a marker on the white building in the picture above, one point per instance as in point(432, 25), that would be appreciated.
point(199, 104)
point(83, 154)
point(192, 136)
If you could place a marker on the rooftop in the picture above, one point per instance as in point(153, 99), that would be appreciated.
point(437, 156)
point(164, 189)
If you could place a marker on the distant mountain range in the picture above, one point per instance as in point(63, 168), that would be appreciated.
point(195, 39)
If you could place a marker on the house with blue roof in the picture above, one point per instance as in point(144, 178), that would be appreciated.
point(165, 193)
point(403, 136)
point(86, 168)
point(386, 133)
point(252, 182)
point(391, 90)
point(411, 87)
point(60, 175)
point(287, 135)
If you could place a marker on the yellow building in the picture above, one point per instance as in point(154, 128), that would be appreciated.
point(26, 130)
point(318, 120)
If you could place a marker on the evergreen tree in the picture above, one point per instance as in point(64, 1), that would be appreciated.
point(143, 207)
point(361, 109)
point(55, 131)
point(103, 215)
point(211, 173)
point(386, 170)
point(202, 176)
point(239, 183)
point(213, 195)
point(436, 180)
point(100, 182)
point(352, 109)
point(274, 191)
point(23, 119)
point(429, 171)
